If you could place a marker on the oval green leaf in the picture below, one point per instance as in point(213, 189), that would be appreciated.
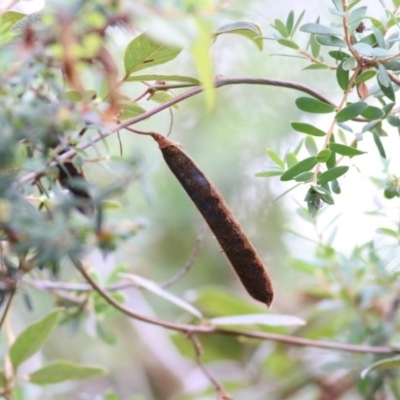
point(308, 104)
point(307, 128)
point(372, 112)
point(332, 174)
point(324, 155)
point(303, 166)
point(351, 111)
point(144, 52)
point(345, 150)
point(318, 29)
point(247, 29)
point(32, 338)
point(61, 371)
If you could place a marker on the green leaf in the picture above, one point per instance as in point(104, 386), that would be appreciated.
point(33, 338)
point(258, 319)
point(379, 145)
point(201, 54)
point(318, 29)
point(161, 96)
point(144, 52)
point(8, 19)
point(163, 78)
point(274, 171)
point(351, 111)
point(308, 104)
point(387, 363)
point(290, 22)
point(383, 76)
point(372, 112)
point(345, 150)
point(288, 43)
point(130, 110)
point(249, 30)
point(291, 159)
point(275, 158)
point(311, 146)
point(304, 177)
point(333, 41)
point(307, 128)
point(332, 174)
point(323, 155)
point(302, 166)
point(61, 371)
point(342, 75)
point(281, 28)
point(159, 291)
point(365, 75)
point(388, 91)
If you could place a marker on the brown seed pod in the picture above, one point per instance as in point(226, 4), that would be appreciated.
point(236, 245)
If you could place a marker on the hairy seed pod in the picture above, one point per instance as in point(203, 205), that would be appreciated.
point(234, 242)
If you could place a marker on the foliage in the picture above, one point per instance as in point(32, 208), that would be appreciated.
point(68, 100)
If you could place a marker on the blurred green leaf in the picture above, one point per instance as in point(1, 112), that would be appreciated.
point(311, 105)
point(307, 128)
point(302, 166)
point(332, 174)
point(33, 338)
point(365, 75)
point(61, 371)
point(323, 155)
point(144, 52)
point(351, 111)
point(201, 54)
point(249, 30)
point(275, 158)
point(258, 319)
point(288, 43)
point(387, 363)
point(342, 75)
point(159, 291)
point(345, 150)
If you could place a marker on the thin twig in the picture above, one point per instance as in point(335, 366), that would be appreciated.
point(221, 394)
point(175, 100)
point(190, 262)
point(209, 329)
point(7, 308)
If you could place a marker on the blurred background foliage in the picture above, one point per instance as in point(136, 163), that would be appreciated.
point(337, 272)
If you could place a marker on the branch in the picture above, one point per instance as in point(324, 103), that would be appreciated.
point(209, 329)
point(181, 97)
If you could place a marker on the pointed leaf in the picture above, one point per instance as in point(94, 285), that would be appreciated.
point(61, 371)
point(308, 104)
point(351, 111)
point(159, 291)
point(275, 158)
point(307, 128)
point(302, 166)
point(33, 338)
point(166, 78)
point(258, 319)
point(332, 174)
point(144, 52)
point(387, 363)
point(345, 150)
point(247, 29)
